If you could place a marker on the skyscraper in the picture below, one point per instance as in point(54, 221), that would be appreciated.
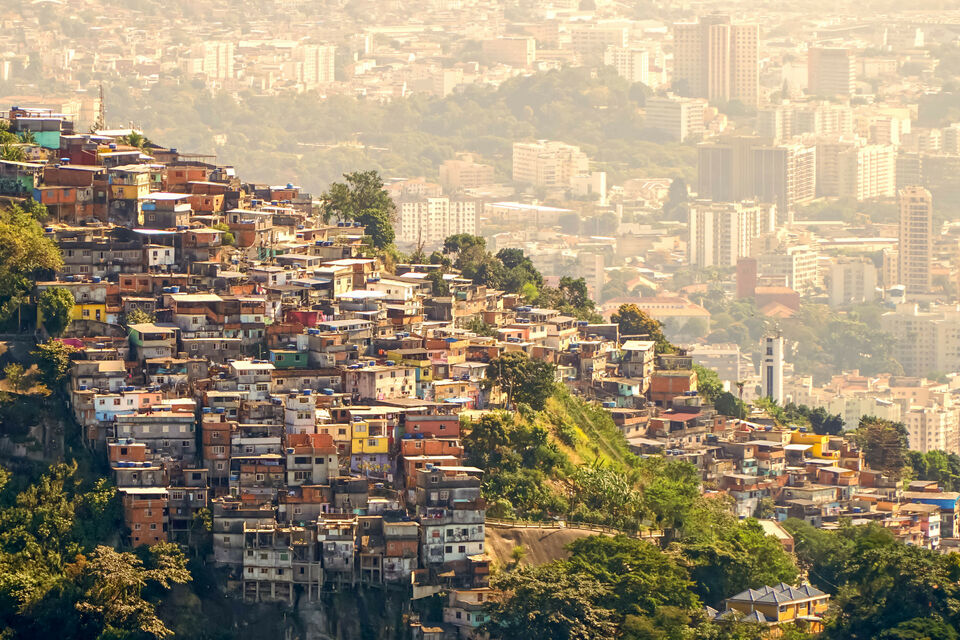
point(717, 60)
point(916, 239)
point(831, 71)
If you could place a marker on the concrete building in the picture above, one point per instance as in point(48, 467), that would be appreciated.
point(464, 172)
point(848, 168)
point(771, 368)
point(632, 64)
point(717, 60)
point(720, 233)
point(429, 221)
point(797, 265)
point(312, 64)
point(514, 52)
point(924, 341)
point(851, 281)
point(591, 39)
point(831, 71)
point(677, 117)
point(785, 174)
point(916, 239)
point(932, 429)
point(547, 163)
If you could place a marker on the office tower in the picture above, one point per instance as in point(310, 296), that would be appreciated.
point(720, 233)
point(831, 71)
point(631, 64)
point(916, 239)
point(548, 163)
point(771, 368)
point(785, 174)
point(849, 168)
point(717, 60)
point(725, 168)
point(678, 118)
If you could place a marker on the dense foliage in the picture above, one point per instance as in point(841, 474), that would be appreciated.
point(25, 254)
point(314, 140)
point(881, 588)
point(59, 573)
point(361, 198)
point(634, 322)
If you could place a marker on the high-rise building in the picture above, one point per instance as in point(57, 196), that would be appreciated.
point(720, 233)
point(849, 168)
point(679, 118)
point(932, 428)
point(771, 368)
point(916, 239)
point(632, 64)
point(217, 59)
point(725, 168)
point(548, 163)
point(785, 174)
point(318, 63)
point(831, 71)
point(717, 60)
point(591, 40)
point(924, 341)
point(428, 221)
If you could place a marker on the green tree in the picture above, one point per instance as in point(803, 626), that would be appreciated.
point(27, 254)
point(522, 379)
point(641, 576)
point(884, 444)
point(549, 602)
point(55, 304)
point(708, 383)
point(15, 375)
point(363, 199)
point(634, 322)
point(727, 556)
point(228, 238)
point(53, 362)
point(675, 207)
point(139, 316)
point(135, 139)
point(112, 584)
point(439, 286)
point(12, 153)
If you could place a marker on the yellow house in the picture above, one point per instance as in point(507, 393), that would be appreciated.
point(364, 442)
point(820, 444)
point(416, 358)
point(782, 603)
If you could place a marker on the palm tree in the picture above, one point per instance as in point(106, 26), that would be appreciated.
point(135, 139)
point(740, 385)
point(12, 153)
point(27, 137)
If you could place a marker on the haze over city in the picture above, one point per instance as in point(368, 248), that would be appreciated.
point(479, 320)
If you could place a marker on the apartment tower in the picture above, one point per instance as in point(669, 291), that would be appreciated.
point(916, 239)
point(717, 60)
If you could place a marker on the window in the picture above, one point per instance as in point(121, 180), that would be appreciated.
point(449, 549)
point(462, 549)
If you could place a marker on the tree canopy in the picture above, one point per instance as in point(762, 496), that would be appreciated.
point(55, 305)
point(25, 254)
point(362, 198)
point(634, 322)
